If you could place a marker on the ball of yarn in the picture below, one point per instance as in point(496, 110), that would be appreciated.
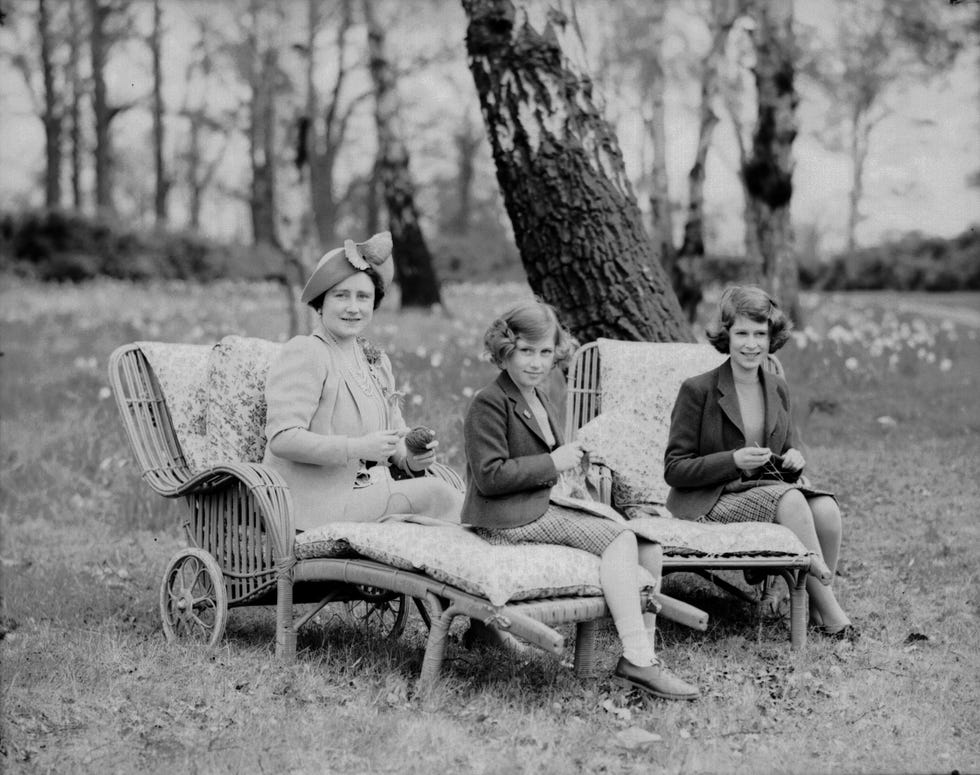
point(417, 440)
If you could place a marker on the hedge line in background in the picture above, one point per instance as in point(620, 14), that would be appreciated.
point(59, 245)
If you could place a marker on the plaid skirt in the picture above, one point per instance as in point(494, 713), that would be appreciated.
point(562, 526)
point(757, 504)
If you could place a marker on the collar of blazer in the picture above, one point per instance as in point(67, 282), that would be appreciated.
point(523, 411)
point(729, 398)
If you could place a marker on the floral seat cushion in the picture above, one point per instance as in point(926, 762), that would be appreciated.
point(235, 416)
point(639, 383)
point(457, 556)
point(181, 371)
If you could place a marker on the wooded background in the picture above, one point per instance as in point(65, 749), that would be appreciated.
point(493, 138)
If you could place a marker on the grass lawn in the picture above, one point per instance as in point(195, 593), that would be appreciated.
point(886, 387)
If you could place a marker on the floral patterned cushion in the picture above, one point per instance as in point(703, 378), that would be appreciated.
point(742, 539)
point(457, 556)
point(237, 370)
point(181, 370)
point(639, 382)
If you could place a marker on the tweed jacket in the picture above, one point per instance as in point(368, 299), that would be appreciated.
point(312, 411)
point(509, 472)
point(706, 429)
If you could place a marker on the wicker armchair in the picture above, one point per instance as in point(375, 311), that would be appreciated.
point(756, 556)
point(242, 545)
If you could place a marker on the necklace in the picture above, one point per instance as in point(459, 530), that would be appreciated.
point(353, 365)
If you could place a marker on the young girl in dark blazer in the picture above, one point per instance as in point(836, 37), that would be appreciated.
point(732, 441)
point(514, 454)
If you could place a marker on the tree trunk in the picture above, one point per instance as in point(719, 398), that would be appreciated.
point(661, 217)
point(98, 41)
point(561, 172)
point(768, 173)
point(162, 183)
point(686, 281)
point(324, 140)
point(466, 141)
point(77, 92)
point(52, 118)
point(413, 262)
point(373, 195)
point(861, 126)
point(262, 133)
point(195, 187)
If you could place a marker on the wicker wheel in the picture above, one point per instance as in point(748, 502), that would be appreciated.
point(193, 603)
point(384, 614)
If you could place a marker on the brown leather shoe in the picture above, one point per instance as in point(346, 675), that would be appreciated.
point(656, 680)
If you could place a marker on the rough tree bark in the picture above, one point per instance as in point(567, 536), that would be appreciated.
point(561, 172)
point(413, 262)
point(723, 14)
point(52, 114)
point(768, 171)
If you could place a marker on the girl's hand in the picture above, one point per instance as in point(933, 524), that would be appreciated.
point(793, 460)
point(567, 456)
point(419, 461)
point(751, 458)
point(377, 446)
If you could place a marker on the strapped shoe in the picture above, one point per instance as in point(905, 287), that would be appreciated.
point(656, 680)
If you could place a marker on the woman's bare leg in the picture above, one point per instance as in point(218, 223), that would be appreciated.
point(827, 523)
point(793, 511)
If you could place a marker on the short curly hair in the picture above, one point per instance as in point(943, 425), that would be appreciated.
point(754, 303)
point(530, 320)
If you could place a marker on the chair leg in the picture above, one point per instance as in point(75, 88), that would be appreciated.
point(585, 648)
point(798, 603)
point(285, 632)
point(435, 645)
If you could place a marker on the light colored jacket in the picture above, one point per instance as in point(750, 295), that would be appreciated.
point(706, 429)
point(311, 413)
point(509, 473)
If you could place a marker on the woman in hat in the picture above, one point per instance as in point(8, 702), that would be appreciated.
point(333, 423)
point(732, 453)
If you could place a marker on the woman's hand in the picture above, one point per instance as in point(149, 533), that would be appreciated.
point(751, 458)
point(418, 461)
point(377, 446)
point(567, 456)
point(793, 460)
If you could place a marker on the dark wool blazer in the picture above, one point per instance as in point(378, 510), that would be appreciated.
point(509, 473)
point(706, 429)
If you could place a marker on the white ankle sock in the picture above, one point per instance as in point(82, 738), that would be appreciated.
point(636, 646)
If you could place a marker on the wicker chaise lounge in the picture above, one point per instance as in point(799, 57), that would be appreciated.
point(620, 396)
point(193, 415)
